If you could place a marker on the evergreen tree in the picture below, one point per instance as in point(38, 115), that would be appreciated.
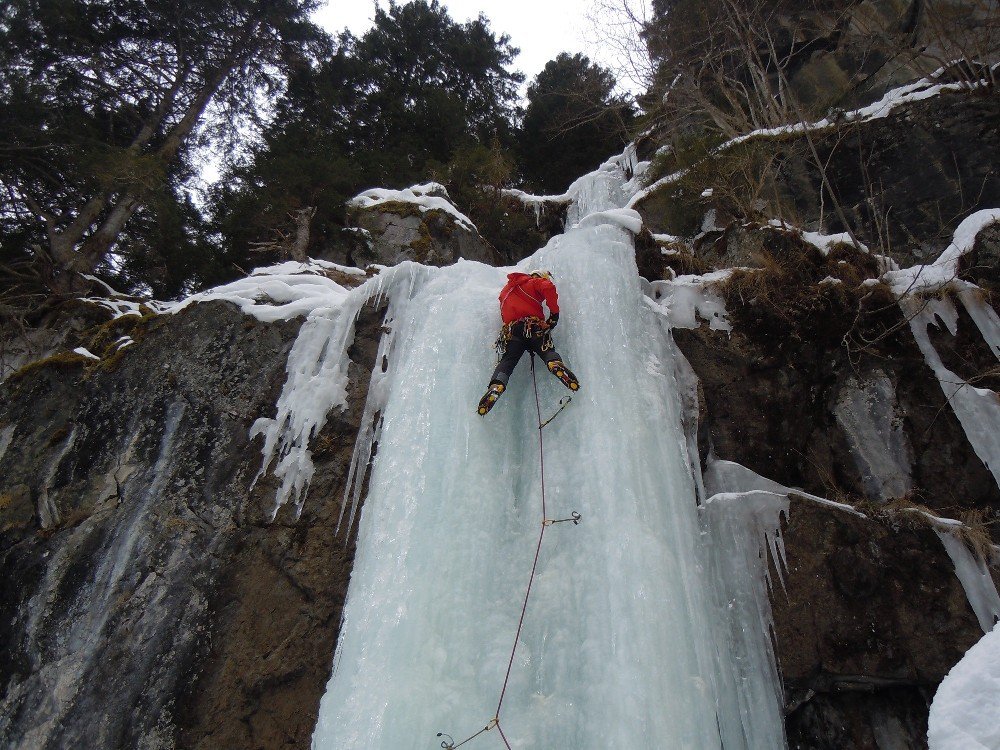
point(99, 102)
point(573, 122)
point(387, 109)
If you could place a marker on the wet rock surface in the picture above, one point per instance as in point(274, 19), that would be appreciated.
point(147, 600)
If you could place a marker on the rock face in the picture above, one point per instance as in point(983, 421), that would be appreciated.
point(853, 52)
point(147, 601)
point(872, 620)
point(874, 615)
point(821, 386)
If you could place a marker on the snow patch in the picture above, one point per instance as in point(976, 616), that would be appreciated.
point(85, 352)
point(823, 242)
point(963, 714)
point(120, 308)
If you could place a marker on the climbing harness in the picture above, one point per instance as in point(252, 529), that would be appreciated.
point(494, 723)
point(533, 327)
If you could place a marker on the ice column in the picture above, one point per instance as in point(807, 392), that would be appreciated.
point(621, 643)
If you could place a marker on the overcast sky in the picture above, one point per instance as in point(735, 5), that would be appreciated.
point(540, 28)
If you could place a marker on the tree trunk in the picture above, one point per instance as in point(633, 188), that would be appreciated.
point(75, 253)
point(303, 217)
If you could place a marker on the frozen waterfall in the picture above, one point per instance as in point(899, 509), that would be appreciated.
point(626, 641)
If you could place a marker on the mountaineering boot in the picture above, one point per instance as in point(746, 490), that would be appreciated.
point(557, 368)
point(491, 397)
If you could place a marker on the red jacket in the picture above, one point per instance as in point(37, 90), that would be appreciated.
point(523, 296)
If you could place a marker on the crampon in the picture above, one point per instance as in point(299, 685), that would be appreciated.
point(557, 368)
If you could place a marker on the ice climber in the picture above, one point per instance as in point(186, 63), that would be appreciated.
point(525, 328)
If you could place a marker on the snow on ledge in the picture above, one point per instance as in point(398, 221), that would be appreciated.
point(822, 242)
point(533, 201)
point(420, 196)
point(280, 292)
point(922, 279)
point(270, 293)
point(925, 88)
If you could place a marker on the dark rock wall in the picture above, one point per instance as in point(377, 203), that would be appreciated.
point(907, 180)
point(147, 601)
point(873, 616)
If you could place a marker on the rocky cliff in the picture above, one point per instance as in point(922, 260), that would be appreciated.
point(149, 600)
point(820, 385)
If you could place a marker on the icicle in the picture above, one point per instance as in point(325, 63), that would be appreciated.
point(742, 525)
point(982, 314)
point(975, 576)
point(379, 388)
point(317, 383)
point(977, 409)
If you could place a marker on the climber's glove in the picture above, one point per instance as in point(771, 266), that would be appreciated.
point(552, 320)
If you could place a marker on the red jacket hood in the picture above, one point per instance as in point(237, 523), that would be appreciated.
point(517, 276)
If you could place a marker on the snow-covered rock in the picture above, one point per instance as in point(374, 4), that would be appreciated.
point(419, 223)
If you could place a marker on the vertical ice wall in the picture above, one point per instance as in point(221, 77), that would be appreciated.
point(621, 643)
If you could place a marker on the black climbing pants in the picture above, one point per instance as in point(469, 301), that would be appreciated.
point(540, 343)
